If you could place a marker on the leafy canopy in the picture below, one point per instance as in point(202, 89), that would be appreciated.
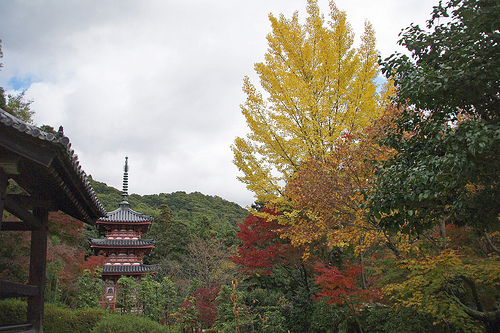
point(448, 137)
point(316, 87)
point(455, 64)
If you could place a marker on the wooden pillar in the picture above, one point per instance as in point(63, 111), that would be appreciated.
point(4, 181)
point(38, 267)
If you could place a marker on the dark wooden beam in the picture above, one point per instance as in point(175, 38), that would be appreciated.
point(13, 289)
point(30, 202)
point(26, 328)
point(23, 145)
point(38, 267)
point(10, 163)
point(16, 209)
point(16, 226)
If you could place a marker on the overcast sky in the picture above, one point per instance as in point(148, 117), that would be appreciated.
point(158, 81)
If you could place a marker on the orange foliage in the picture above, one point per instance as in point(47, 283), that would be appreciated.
point(327, 195)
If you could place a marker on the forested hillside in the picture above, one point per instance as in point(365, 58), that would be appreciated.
point(187, 208)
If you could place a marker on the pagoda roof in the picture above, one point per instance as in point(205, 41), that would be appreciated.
point(98, 242)
point(128, 269)
point(126, 215)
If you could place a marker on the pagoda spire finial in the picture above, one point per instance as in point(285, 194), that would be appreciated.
point(125, 183)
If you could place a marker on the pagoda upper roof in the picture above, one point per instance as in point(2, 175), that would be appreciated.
point(128, 269)
point(122, 242)
point(126, 215)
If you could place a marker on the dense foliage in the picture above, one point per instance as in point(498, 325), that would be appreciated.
point(399, 213)
point(448, 137)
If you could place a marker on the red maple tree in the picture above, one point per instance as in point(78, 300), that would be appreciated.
point(344, 286)
point(261, 246)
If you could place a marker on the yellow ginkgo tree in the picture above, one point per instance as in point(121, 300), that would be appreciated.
point(315, 86)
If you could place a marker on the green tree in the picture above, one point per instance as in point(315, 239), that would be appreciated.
point(172, 237)
point(454, 65)
point(89, 289)
point(16, 105)
point(317, 86)
point(448, 137)
point(447, 161)
point(158, 299)
point(19, 106)
point(209, 261)
point(3, 101)
point(454, 290)
point(52, 284)
point(234, 315)
point(127, 293)
point(205, 230)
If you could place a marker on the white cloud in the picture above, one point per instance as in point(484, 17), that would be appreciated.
point(158, 81)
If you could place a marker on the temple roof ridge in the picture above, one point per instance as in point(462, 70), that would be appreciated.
point(129, 269)
point(125, 214)
point(122, 242)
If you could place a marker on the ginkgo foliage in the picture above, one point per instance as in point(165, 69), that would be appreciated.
point(316, 86)
point(325, 197)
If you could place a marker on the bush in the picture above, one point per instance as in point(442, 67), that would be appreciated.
point(57, 319)
point(126, 324)
point(380, 320)
point(272, 322)
point(325, 317)
point(13, 311)
point(86, 319)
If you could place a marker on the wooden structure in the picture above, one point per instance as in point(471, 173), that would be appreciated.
point(123, 246)
point(48, 172)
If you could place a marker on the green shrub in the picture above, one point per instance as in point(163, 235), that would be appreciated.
point(126, 324)
point(86, 319)
point(272, 322)
point(381, 320)
point(325, 317)
point(13, 311)
point(57, 319)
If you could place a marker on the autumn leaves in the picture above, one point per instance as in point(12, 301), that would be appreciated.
point(343, 168)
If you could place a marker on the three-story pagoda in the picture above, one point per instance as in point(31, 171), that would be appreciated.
point(123, 247)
